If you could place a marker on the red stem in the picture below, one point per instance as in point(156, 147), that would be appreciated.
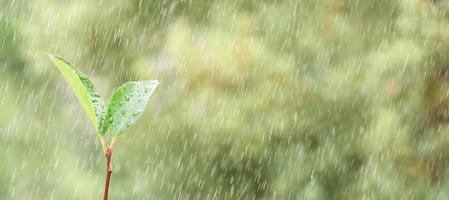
point(108, 155)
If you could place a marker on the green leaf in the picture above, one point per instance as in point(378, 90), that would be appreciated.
point(127, 104)
point(84, 90)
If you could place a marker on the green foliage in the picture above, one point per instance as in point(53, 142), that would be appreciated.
point(127, 104)
point(84, 90)
point(311, 99)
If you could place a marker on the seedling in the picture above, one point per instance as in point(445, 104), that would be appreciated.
point(125, 107)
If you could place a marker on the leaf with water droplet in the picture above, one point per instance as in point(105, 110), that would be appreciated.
point(84, 90)
point(126, 105)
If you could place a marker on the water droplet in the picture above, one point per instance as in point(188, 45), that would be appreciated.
point(123, 112)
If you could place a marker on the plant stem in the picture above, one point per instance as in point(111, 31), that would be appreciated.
point(104, 147)
point(108, 155)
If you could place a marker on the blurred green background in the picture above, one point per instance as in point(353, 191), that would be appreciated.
point(259, 99)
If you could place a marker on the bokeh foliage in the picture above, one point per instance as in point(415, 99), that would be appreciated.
point(327, 99)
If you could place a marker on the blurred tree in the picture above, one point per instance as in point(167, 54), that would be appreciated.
point(329, 99)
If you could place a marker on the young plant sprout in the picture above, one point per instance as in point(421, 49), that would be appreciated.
point(125, 107)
